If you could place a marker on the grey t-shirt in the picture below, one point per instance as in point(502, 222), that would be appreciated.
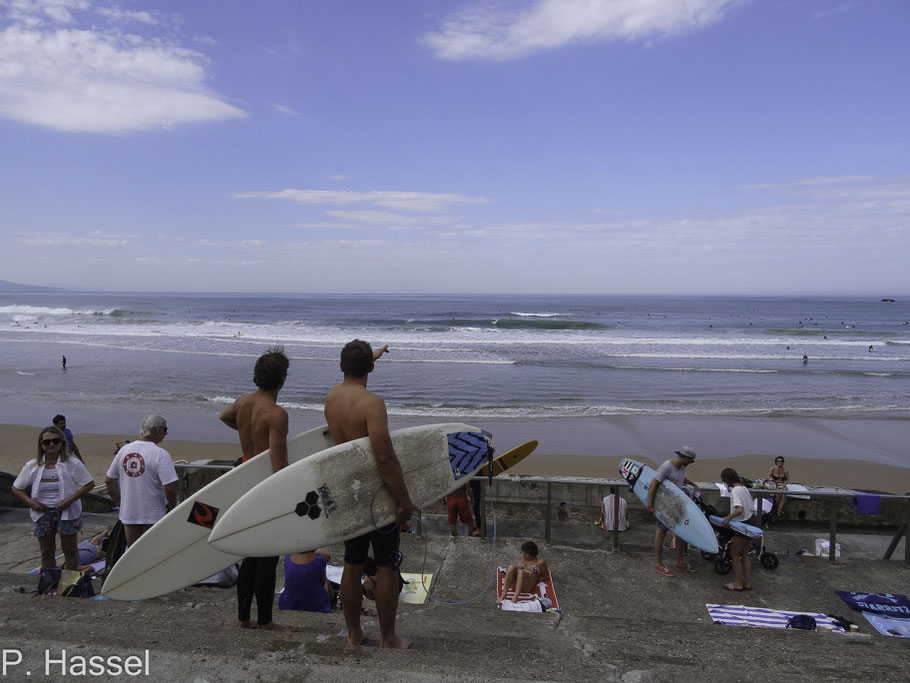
point(674, 474)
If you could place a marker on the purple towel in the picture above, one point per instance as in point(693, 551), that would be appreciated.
point(889, 604)
point(868, 504)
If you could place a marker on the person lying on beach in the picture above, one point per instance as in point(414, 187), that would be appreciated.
point(780, 475)
point(740, 511)
point(524, 576)
point(92, 550)
point(306, 587)
point(57, 484)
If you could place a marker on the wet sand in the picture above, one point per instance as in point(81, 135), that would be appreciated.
point(18, 444)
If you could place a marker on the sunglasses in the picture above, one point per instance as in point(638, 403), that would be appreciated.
point(51, 442)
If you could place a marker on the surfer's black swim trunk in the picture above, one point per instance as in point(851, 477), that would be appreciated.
point(385, 544)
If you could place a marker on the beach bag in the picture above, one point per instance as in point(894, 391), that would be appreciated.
point(802, 621)
point(75, 584)
point(47, 581)
point(609, 521)
point(223, 579)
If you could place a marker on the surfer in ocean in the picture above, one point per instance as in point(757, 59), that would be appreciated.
point(262, 425)
point(352, 412)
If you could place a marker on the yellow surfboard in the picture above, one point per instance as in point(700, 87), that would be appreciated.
point(509, 459)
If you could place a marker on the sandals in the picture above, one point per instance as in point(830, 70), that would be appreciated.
point(685, 568)
point(731, 587)
point(747, 588)
point(663, 570)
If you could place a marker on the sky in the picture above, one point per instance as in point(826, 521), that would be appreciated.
point(511, 146)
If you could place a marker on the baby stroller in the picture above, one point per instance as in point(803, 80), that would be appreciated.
point(725, 535)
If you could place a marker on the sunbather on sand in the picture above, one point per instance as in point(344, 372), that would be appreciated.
point(522, 577)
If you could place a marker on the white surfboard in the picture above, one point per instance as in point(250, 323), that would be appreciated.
point(338, 494)
point(175, 553)
point(673, 508)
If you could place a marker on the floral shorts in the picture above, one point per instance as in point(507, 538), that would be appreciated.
point(50, 523)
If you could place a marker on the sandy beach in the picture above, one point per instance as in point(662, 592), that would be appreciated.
point(17, 445)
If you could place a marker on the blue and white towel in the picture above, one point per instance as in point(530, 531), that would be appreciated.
point(889, 626)
point(742, 615)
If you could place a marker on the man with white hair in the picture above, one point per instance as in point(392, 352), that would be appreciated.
point(142, 480)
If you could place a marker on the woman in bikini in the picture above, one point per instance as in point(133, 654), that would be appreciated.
point(780, 475)
point(522, 577)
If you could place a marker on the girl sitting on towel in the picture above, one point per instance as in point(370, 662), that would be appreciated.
point(740, 511)
point(524, 576)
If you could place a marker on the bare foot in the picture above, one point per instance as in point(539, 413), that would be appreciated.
point(396, 643)
point(356, 637)
point(272, 626)
point(249, 623)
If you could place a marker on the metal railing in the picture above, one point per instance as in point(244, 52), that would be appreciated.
point(615, 484)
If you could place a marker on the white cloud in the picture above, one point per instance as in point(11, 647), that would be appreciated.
point(401, 201)
point(99, 81)
point(387, 218)
point(497, 30)
point(287, 111)
point(58, 239)
point(124, 16)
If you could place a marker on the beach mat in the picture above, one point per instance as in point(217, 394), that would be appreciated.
point(743, 615)
point(889, 626)
point(889, 613)
point(527, 602)
point(412, 592)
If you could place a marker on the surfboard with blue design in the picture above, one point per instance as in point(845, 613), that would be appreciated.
point(673, 508)
point(338, 493)
point(739, 527)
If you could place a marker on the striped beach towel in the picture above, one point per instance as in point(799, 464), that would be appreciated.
point(528, 602)
point(742, 615)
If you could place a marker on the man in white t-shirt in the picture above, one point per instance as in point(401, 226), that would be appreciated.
point(142, 479)
point(673, 470)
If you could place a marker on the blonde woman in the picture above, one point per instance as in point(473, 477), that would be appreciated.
point(56, 484)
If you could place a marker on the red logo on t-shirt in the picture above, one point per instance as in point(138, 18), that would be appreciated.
point(133, 465)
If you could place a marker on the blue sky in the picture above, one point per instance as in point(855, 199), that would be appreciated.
point(560, 146)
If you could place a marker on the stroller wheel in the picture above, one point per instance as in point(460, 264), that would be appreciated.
point(707, 555)
point(722, 566)
point(769, 560)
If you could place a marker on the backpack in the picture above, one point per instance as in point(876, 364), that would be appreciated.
point(47, 581)
point(80, 588)
point(803, 621)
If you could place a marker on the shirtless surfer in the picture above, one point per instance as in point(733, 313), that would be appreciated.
point(262, 425)
point(352, 412)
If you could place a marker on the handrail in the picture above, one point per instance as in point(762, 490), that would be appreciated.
point(614, 483)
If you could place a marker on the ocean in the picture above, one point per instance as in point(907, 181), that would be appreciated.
point(467, 358)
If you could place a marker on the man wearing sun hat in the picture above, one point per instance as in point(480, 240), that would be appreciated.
point(673, 470)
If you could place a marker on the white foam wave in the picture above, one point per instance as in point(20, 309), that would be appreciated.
point(519, 314)
point(748, 371)
point(38, 311)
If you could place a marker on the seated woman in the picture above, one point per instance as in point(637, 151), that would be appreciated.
point(780, 475)
point(524, 576)
point(306, 587)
